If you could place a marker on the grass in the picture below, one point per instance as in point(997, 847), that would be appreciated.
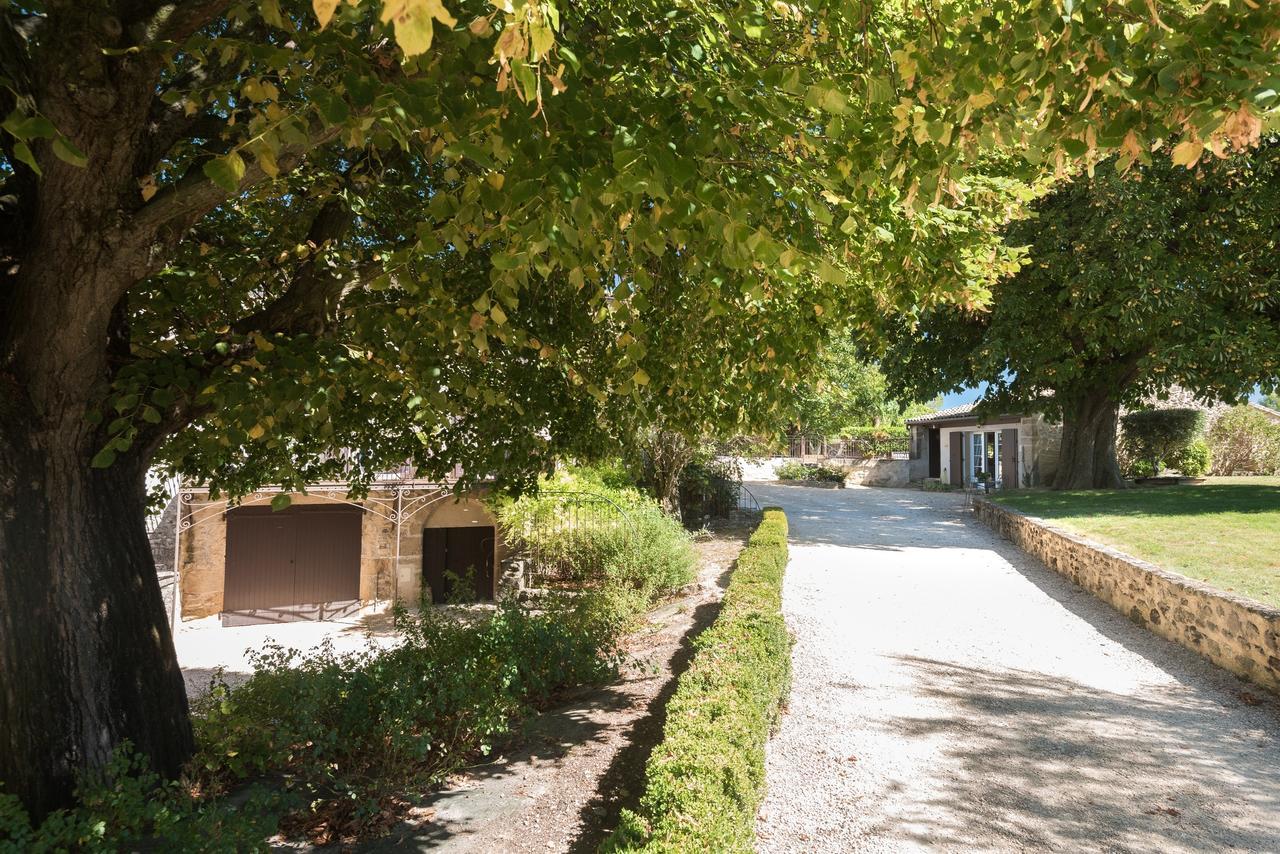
point(1225, 532)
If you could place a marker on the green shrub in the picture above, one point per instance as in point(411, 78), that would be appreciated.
point(126, 807)
point(353, 728)
point(1193, 460)
point(1158, 436)
point(345, 732)
point(812, 472)
point(705, 780)
point(875, 442)
point(1245, 441)
point(636, 546)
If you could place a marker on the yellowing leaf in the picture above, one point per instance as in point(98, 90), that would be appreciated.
point(225, 171)
point(640, 377)
point(267, 160)
point(499, 316)
point(257, 431)
point(1187, 153)
point(541, 38)
point(981, 99)
point(324, 10)
point(413, 21)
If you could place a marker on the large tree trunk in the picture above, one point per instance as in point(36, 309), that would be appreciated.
point(86, 653)
point(1088, 458)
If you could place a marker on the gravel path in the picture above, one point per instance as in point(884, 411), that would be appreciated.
point(562, 783)
point(953, 694)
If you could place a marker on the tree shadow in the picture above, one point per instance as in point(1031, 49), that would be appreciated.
point(469, 802)
point(1187, 500)
point(1044, 762)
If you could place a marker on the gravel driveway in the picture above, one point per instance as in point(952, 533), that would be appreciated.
point(953, 694)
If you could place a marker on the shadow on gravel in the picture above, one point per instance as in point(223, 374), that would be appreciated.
point(1046, 763)
point(623, 782)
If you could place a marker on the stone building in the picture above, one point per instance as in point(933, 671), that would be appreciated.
point(955, 446)
point(328, 553)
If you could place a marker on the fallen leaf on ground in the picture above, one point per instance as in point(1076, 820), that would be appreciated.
point(1164, 811)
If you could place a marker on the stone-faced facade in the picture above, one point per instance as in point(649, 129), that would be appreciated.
point(393, 520)
point(957, 447)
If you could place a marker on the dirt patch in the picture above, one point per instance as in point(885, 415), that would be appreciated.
point(561, 784)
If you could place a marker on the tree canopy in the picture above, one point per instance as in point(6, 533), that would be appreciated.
point(1133, 283)
point(239, 236)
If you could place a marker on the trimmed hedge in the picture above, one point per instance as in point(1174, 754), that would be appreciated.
point(705, 780)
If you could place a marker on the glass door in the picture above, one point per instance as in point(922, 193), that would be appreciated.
point(978, 457)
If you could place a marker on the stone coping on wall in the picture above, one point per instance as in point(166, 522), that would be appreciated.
point(1233, 632)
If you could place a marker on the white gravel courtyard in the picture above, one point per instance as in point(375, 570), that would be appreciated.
point(952, 694)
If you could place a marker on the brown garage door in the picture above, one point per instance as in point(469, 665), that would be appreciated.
point(458, 556)
point(294, 557)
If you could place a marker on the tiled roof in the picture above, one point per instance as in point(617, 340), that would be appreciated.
point(962, 411)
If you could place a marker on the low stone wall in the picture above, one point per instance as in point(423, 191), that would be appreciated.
point(861, 473)
point(1236, 633)
point(880, 473)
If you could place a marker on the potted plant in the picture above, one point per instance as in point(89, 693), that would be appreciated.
point(984, 478)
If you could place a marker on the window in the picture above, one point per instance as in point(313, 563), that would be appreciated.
point(979, 456)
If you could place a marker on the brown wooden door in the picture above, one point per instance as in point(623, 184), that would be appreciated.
point(935, 452)
point(957, 459)
point(298, 556)
point(453, 555)
point(1009, 458)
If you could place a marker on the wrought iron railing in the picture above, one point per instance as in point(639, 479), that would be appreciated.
point(715, 498)
point(567, 538)
point(849, 447)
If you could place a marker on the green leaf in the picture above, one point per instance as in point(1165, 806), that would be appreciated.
point(332, 108)
point(281, 501)
point(226, 171)
point(23, 153)
point(1075, 147)
point(829, 273)
point(68, 153)
point(104, 458)
point(29, 127)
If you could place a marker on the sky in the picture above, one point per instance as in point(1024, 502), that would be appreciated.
point(969, 395)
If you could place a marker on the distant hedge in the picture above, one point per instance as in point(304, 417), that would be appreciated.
point(705, 780)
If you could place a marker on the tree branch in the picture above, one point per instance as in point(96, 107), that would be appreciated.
point(305, 304)
point(152, 21)
point(174, 209)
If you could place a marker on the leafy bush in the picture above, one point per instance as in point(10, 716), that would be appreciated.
point(636, 546)
point(1158, 436)
point(709, 487)
point(1193, 460)
point(126, 807)
point(1245, 441)
point(876, 442)
point(346, 732)
point(353, 728)
point(704, 782)
point(813, 472)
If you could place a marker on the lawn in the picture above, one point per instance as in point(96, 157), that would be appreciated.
point(1225, 532)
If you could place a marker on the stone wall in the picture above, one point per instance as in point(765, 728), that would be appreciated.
point(879, 473)
point(1236, 633)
